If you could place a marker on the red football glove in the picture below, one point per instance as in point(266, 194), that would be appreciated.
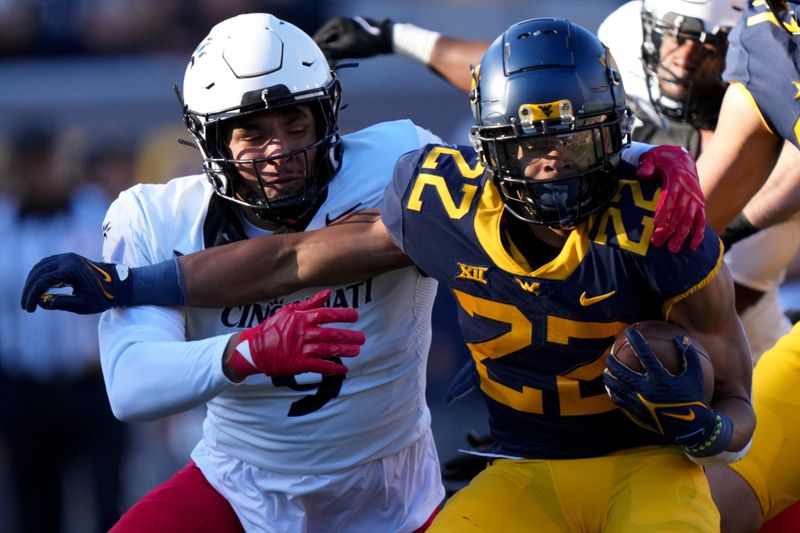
point(290, 341)
point(680, 209)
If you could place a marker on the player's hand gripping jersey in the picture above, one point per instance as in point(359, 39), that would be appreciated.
point(539, 336)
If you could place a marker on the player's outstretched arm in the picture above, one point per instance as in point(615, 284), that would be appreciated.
point(453, 58)
point(355, 248)
point(152, 371)
point(356, 37)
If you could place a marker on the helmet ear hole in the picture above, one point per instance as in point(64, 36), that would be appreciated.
point(335, 154)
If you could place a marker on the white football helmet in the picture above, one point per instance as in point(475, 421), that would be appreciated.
point(251, 63)
point(705, 21)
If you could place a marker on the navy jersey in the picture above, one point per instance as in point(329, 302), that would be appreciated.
point(539, 336)
point(764, 58)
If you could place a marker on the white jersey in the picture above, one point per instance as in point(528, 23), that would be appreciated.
point(305, 424)
point(622, 33)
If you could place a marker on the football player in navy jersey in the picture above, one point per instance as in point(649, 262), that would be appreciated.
point(682, 41)
point(543, 235)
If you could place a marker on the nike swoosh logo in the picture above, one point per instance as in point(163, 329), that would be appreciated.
point(106, 275)
point(106, 278)
point(369, 28)
point(329, 220)
point(691, 416)
point(585, 302)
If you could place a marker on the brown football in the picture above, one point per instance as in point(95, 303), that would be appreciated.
point(661, 338)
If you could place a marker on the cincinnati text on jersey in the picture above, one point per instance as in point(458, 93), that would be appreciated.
point(355, 296)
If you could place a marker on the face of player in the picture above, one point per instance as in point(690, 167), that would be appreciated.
point(552, 156)
point(687, 60)
point(264, 137)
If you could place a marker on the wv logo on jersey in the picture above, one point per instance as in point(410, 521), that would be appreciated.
point(472, 273)
point(528, 286)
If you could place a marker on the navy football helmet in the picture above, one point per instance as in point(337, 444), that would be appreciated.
point(682, 88)
point(248, 64)
point(550, 85)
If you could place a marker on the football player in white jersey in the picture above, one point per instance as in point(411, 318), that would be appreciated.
point(308, 452)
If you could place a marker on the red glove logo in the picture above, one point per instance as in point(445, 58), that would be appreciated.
point(291, 342)
point(680, 209)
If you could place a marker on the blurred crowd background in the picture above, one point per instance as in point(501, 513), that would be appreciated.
point(86, 110)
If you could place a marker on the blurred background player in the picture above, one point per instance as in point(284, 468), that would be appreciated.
point(55, 422)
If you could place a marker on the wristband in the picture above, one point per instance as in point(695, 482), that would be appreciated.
point(241, 359)
point(634, 151)
point(414, 42)
point(739, 228)
point(159, 284)
point(716, 442)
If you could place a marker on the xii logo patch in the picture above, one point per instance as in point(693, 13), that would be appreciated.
point(472, 273)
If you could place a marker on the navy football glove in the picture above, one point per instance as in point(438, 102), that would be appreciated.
point(95, 286)
point(344, 37)
point(673, 406)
